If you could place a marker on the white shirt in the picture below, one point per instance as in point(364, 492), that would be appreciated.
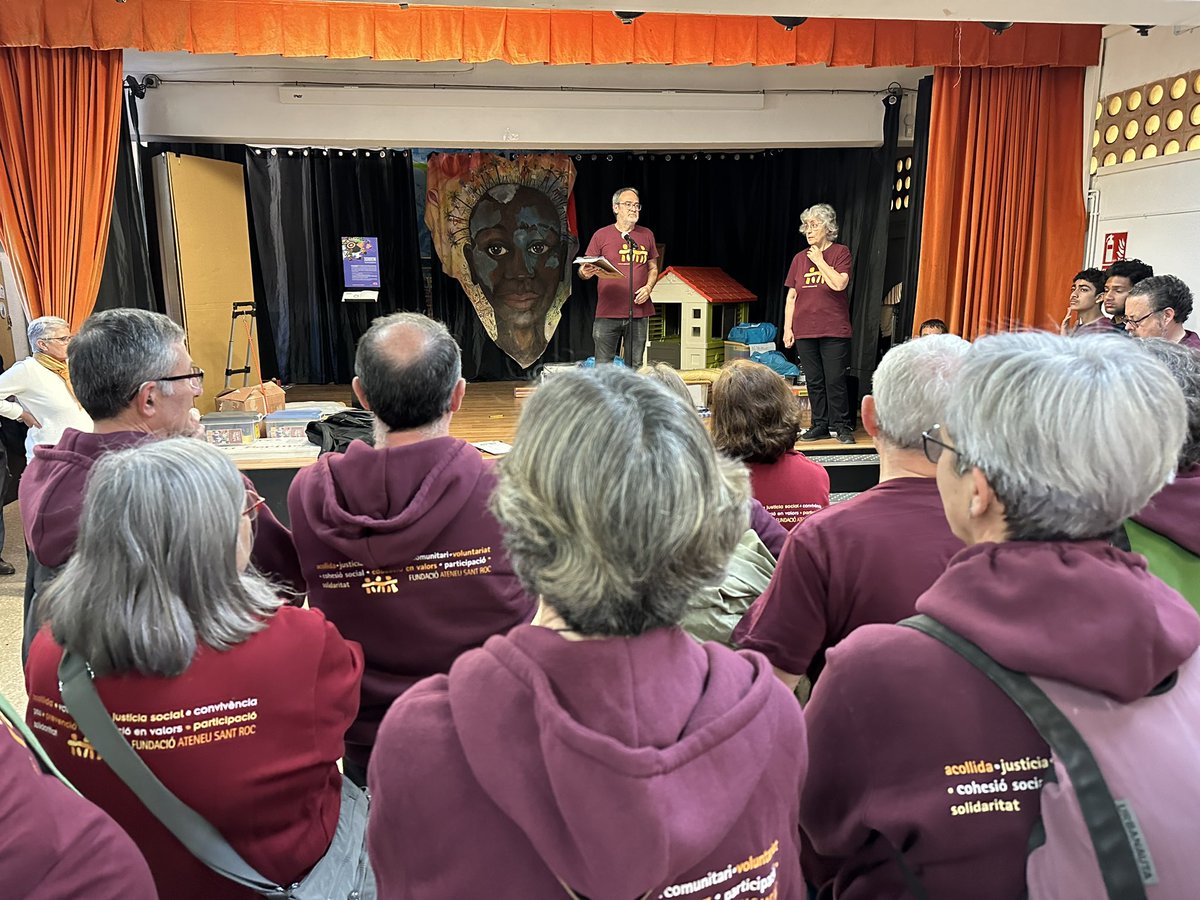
point(46, 396)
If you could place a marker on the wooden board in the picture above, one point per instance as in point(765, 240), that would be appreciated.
point(205, 239)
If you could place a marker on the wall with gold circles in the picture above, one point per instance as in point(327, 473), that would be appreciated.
point(1161, 118)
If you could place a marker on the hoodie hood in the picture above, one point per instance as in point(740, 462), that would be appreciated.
point(1085, 613)
point(51, 492)
point(638, 754)
point(378, 505)
point(1175, 510)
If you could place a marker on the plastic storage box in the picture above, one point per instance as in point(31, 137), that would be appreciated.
point(225, 428)
point(291, 423)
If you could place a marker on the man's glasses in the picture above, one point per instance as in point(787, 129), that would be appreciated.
point(934, 446)
point(1139, 321)
point(196, 377)
point(65, 338)
point(636, 207)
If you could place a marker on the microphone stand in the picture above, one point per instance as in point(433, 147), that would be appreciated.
point(631, 246)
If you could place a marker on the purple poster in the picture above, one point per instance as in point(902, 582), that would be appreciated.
point(360, 262)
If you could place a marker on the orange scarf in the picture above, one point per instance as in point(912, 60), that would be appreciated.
point(58, 367)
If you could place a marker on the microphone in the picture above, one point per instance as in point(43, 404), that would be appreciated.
point(627, 237)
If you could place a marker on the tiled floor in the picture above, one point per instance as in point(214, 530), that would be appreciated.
point(12, 589)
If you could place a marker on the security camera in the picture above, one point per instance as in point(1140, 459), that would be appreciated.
point(1143, 30)
point(997, 27)
point(152, 82)
point(627, 17)
point(790, 22)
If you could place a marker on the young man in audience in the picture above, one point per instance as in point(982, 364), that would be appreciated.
point(932, 326)
point(869, 558)
point(1087, 292)
point(132, 374)
point(1157, 307)
point(1119, 279)
point(396, 541)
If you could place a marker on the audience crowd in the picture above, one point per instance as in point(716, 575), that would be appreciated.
point(638, 656)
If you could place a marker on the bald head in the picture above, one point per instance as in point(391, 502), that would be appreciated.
point(407, 370)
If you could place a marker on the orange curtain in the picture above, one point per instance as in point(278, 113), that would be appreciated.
point(60, 117)
point(342, 30)
point(1004, 213)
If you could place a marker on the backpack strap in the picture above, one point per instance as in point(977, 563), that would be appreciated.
point(193, 830)
point(1118, 867)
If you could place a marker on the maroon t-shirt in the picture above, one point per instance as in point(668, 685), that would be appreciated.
point(248, 737)
point(792, 488)
point(1190, 339)
point(1099, 326)
point(862, 561)
point(612, 294)
point(56, 844)
point(820, 311)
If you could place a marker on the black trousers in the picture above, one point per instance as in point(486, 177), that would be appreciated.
point(825, 362)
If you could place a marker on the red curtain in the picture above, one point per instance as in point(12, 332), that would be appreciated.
point(59, 124)
point(1004, 210)
point(342, 30)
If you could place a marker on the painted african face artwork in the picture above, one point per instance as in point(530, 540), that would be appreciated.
point(500, 227)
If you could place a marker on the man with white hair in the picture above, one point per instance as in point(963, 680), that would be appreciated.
point(869, 558)
point(625, 244)
point(43, 397)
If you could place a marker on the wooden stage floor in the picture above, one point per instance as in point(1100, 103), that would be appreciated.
point(490, 413)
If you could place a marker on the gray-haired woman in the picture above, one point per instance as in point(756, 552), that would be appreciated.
point(600, 751)
point(817, 320)
point(1049, 443)
point(237, 702)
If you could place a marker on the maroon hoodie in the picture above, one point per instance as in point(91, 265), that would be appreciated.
point(53, 843)
point(911, 746)
point(51, 498)
point(1174, 512)
point(619, 766)
point(401, 553)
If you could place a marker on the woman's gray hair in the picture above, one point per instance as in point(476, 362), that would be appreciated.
point(1074, 436)
point(616, 508)
point(671, 380)
point(40, 328)
point(1184, 366)
point(154, 574)
point(823, 214)
point(912, 387)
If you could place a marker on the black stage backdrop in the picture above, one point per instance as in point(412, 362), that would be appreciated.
point(127, 280)
point(736, 211)
point(916, 210)
point(304, 202)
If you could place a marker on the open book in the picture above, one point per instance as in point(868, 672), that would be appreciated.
point(607, 269)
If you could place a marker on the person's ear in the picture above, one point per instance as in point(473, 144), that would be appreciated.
point(1168, 316)
point(356, 386)
point(869, 420)
point(982, 498)
point(456, 396)
point(145, 401)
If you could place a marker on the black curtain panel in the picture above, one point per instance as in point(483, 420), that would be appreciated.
point(916, 209)
point(127, 280)
point(867, 236)
point(304, 202)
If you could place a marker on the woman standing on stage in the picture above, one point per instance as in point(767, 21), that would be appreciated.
point(817, 321)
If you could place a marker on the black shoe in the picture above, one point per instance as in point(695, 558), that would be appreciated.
point(7, 568)
point(845, 436)
point(816, 433)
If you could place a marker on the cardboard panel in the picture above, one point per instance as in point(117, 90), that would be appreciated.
point(211, 251)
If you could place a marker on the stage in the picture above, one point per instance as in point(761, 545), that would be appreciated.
point(490, 412)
